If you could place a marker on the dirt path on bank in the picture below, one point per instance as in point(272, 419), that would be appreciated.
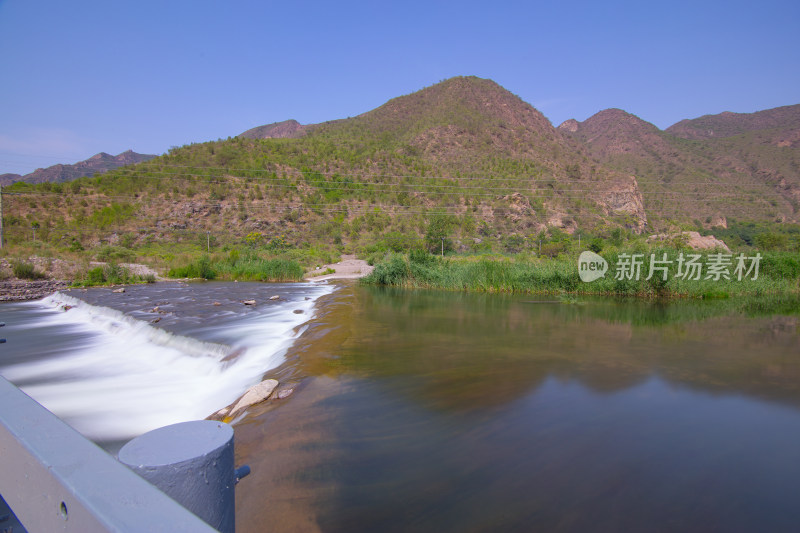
point(348, 268)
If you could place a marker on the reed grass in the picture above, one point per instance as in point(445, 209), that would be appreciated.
point(779, 274)
point(251, 268)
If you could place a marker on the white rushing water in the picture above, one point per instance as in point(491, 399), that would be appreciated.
point(124, 377)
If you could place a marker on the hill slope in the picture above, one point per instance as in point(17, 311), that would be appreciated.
point(752, 175)
point(728, 124)
point(288, 129)
point(464, 156)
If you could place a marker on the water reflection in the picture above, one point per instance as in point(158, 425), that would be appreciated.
point(468, 351)
point(432, 411)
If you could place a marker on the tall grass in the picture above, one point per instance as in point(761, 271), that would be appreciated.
point(251, 268)
point(779, 273)
point(111, 274)
point(260, 270)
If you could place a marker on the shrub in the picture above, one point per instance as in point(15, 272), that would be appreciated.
point(421, 257)
point(391, 272)
point(24, 270)
point(198, 269)
point(95, 276)
point(114, 253)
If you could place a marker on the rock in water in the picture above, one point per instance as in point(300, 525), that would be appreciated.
point(120, 290)
point(276, 297)
point(255, 394)
point(249, 302)
point(284, 393)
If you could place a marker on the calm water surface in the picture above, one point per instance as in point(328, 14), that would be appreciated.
point(430, 411)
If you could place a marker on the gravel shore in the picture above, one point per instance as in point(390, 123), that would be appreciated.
point(17, 290)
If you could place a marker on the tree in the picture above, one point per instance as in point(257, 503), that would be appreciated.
point(437, 234)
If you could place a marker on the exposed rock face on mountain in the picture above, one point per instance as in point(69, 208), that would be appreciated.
point(693, 240)
point(288, 129)
point(99, 163)
point(626, 198)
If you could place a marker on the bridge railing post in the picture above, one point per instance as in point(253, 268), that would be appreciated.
point(192, 462)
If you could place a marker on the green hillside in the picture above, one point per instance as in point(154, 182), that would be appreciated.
point(463, 163)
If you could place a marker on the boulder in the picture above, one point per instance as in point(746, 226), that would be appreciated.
point(255, 394)
point(249, 302)
point(692, 239)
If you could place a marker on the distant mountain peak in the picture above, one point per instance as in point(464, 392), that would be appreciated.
point(571, 125)
point(728, 123)
point(612, 122)
point(97, 164)
point(287, 129)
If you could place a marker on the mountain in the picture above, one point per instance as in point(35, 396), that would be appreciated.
point(475, 129)
point(744, 166)
point(464, 150)
point(8, 179)
point(288, 129)
point(728, 124)
point(60, 173)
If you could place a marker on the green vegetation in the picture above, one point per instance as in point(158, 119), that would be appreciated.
point(463, 169)
point(24, 270)
point(111, 274)
point(779, 273)
point(251, 268)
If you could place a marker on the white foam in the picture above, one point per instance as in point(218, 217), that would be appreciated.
point(129, 377)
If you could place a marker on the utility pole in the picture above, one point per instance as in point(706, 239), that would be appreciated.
point(1, 216)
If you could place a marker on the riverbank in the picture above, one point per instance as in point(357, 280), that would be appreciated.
point(19, 290)
point(348, 268)
point(715, 276)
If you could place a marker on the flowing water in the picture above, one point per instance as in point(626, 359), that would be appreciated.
point(117, 365)
point(436, 411)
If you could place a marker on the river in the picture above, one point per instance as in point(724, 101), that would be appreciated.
point(437, 411)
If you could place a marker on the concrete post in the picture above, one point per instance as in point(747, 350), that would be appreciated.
point(192, 462)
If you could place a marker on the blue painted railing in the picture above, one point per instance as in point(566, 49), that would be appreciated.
point(55, 480)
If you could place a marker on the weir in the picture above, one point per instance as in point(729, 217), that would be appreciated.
point(54, 479)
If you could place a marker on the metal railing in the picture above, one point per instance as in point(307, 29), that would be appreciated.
point(54, 479)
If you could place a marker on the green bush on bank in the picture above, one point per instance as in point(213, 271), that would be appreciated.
point(260, 270)
point(201, 268)
point(24, 270)
point(111, 274)
point(232, 267)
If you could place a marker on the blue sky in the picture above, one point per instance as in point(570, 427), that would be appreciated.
point(83, 77)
